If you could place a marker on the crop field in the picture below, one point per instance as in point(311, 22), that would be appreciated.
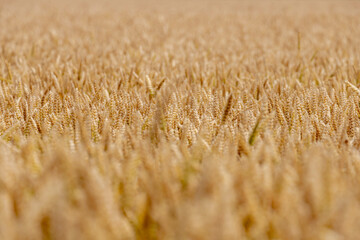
point(179, 120)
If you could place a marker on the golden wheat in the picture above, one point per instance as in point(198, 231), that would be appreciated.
point(179, 120)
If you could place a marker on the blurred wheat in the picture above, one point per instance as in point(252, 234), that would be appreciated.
point(203, 120)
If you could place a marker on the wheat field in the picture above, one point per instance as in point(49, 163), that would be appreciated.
point(179, 120)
